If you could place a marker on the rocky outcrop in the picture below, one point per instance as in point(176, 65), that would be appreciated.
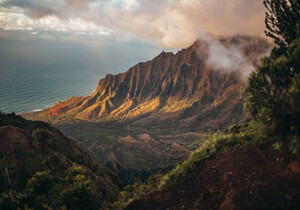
point(150, 117)
point(182, 86)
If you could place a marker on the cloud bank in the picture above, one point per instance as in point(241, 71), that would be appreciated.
point(168, 23)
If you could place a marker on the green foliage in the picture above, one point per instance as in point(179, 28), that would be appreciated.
point(215, 144)
point(238, 136)
point(277, 146)
point(294, 105)
point(79, 192)
point(136, 191)
point(46, 170)
point(40, 183)
point(283, 21)
point(11, 200)
point(273, 91)
point(43, 191)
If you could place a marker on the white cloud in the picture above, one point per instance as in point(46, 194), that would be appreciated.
point(19, 21)
point(169, 23)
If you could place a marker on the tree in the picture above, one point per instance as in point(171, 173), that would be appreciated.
point(79, 191)
point(40, 190)
point(282, 21)
point(273, 91)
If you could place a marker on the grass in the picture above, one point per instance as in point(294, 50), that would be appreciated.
point(215, 144)
point(236, 137)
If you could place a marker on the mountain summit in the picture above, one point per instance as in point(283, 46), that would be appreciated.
point(152, 116)
point(189, 86)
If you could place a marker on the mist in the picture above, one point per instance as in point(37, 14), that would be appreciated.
point(233, 53)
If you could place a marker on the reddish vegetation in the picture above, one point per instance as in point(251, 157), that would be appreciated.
point(270, 180)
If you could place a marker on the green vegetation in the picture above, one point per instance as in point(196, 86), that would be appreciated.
point(282, 22)
point(45, 191)
point(273, 101)
point(43, 169)
point(64, 177)
point(249, 135)
point(274, 89)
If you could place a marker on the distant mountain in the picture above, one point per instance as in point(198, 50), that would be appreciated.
point(182, 86)
point(32, 152)
point(153, 115)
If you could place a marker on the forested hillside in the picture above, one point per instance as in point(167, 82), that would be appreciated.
point(43, 169)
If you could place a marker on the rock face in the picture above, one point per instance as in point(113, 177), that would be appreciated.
point(182, 86)
point(150, 117)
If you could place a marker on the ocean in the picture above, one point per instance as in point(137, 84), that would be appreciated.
point(37, 72)
point(37, 89)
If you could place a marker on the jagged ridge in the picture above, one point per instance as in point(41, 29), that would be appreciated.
point(171, 86)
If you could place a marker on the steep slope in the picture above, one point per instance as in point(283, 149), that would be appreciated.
point(152, 116)
point(184, 86)
point(34, 149)
point(232, 171)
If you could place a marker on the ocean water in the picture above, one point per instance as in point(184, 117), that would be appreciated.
point(38, 71)
point(39, 88)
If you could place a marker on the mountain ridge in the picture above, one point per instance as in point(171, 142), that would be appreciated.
point(174, 99)
point(170, 85)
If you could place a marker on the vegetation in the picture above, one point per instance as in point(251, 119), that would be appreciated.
point(251, 135)
point(43, 169)
point(273, 90)
point(282, 21)
point(45, 191)
point(273, 101)
point(68, 179)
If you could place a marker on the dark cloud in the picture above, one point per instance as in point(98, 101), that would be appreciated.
point(32, 8)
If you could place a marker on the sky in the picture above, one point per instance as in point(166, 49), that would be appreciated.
point(163, 23)
point(90, 38)
point(115, 34)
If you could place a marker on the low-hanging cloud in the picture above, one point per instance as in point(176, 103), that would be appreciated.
point(240, 53)
point(169, 23)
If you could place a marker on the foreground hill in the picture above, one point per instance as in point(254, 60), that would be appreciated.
point(41, 167)
point(242, 170)
point(153, 115)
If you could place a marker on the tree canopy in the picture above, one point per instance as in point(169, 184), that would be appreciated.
point(273, 89)
point(282, 21)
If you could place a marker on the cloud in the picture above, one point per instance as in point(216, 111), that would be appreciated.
point(168, 23)
point(32, 8)
point(240, 53)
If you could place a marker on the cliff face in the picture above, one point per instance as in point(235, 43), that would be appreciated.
point(150, 117)
point(182, 86)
